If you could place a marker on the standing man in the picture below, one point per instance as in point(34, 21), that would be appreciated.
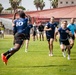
point(72, 27)
point(34, 30)
point(27, 36)
point(50, 31)
point(41, 31)
point(19, 29)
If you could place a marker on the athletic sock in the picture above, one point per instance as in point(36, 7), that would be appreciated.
point(9, 53)
point(6, 53)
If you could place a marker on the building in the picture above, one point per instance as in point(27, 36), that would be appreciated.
point(63, 3)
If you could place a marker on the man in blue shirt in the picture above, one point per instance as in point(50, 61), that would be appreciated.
point(64, 33)
point(27, 36)
point(50, 30)
point(72, 27)
point(20, 25)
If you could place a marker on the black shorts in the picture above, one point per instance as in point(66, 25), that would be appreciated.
point(66, 42)
point(19, 38)
point(0, 32)
point(73, 37)
point(34, 33)
point(27, 37)
point(49, 37)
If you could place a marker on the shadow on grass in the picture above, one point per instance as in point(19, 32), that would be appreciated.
point(73, 59)
point(44, 66)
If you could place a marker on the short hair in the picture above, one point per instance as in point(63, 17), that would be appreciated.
point(21, 14)
point(64, 21)
point(52, 17)
point(72, 19)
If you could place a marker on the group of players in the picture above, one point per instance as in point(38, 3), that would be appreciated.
point(67, 34)
point(21, 29)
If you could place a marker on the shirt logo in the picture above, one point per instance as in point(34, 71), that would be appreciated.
point(19, 23)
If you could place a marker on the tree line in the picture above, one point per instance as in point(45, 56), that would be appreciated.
point(39, 4)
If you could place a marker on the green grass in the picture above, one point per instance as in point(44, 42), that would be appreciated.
point(36, 61)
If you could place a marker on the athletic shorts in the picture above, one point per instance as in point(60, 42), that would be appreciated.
point(73, 37)
point(41, 32)
point(0, 32)
point(34, 33)
point(19, 38)
point(27, 37)
point(66, 42)
point(49, 37)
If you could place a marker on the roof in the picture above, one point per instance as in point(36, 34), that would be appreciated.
point(6, 16)
point(62, 12)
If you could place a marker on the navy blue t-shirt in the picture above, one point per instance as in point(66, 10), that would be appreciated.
point(28, 28)
point(20, 25)
point(63, 34)
point(52, 26)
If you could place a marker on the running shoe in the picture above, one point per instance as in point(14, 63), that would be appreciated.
point(68, 57)
point(26, 50)
point(4, 59)
point(64, 55)
point(51, 55)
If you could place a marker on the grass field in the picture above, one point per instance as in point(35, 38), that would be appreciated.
point(36, 61)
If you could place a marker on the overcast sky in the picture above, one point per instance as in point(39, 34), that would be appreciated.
point(28, 4)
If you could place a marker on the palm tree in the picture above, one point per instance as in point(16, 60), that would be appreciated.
point(54, 3)
point(42, 5)
point(14, 4)
point(39, 4)
point(1, 8)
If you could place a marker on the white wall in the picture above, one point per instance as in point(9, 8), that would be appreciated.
point(7, 23)
point(64, 3)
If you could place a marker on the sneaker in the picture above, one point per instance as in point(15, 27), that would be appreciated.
point(68, 57)
point(63, 54)
point(4, 59)
point(50, 54)
point(26, 50)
